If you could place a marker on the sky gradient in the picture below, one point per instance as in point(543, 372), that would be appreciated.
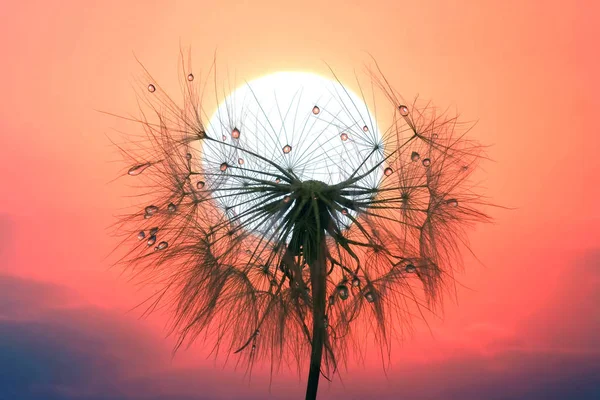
point(524, 320)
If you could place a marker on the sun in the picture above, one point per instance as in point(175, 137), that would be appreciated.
point(313, 127)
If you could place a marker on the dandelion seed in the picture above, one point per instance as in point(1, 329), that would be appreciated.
point(415, 156)
point(344, 136)
point(287, 148)
point(343, 291)
point(138, 169)
point(426, 162)
point(151, 88)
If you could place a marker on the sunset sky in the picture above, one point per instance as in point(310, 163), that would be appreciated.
point(524, 323)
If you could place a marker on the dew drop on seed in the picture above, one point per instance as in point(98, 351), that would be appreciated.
point(151, 240)
point(188, 156)
point(287, 148)
point(153, 231)
point(370, 297)
point(200, 185)
point(257, 332)
point(355, 282)
point(415, 156)
point(410, 268)
point(426, 162)
point(434, 136)
point(138, 169)
point(316, 110)
point(146, 216)
point(344, 211)
point(151, 88)
point(190, 77)
point(141, 235)
point(388, 171)
point(223, 166)
point(172, 207)
point(235, 133)
point(286, 199)
point(253, 347)
point(365, 128)
point(278, 180)
point(452, 202)
point(162, 245)
point(344, 136)
point(343, 291)
point(151, 210)
point(241, 161)
point(224, 138)
point(465, 167)
point(403, 110)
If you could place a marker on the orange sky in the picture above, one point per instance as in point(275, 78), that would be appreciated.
point(525, 70)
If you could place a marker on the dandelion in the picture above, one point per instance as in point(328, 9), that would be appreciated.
point(289, 231)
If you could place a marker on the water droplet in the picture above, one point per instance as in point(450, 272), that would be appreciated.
point(325, 322)
point(172, 207)
point(141, 235)
point(151, 240)
point(356, 282)
point(344, 211)
point(273, 282)
point(331, 300)
point(200, 185)
point(343, 291)
point(426, 162)
point(153, 231)
point(370, 297)
point(188, 156)
point(138, 169)
point(465, 167)
point(287, 148)
point(344, 136)
point(162, 245)
point(223, 166)
point(253, 347)
point(241, 161)
point(190, 77)
point(403, 110)
point(388, 171)
point(151, 88)
point(365, 128)
point(316, 110)
point(151, 210)
point(286, 199)
point(415, 156)
point(278, 180)
point(452, 202)
point(146, 216)
point(257, 332)
point(410, 268)
point(224, 138)
point(434, 136)
point(235, 133)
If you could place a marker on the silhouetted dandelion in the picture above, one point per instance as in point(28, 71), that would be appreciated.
point(280, 241)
